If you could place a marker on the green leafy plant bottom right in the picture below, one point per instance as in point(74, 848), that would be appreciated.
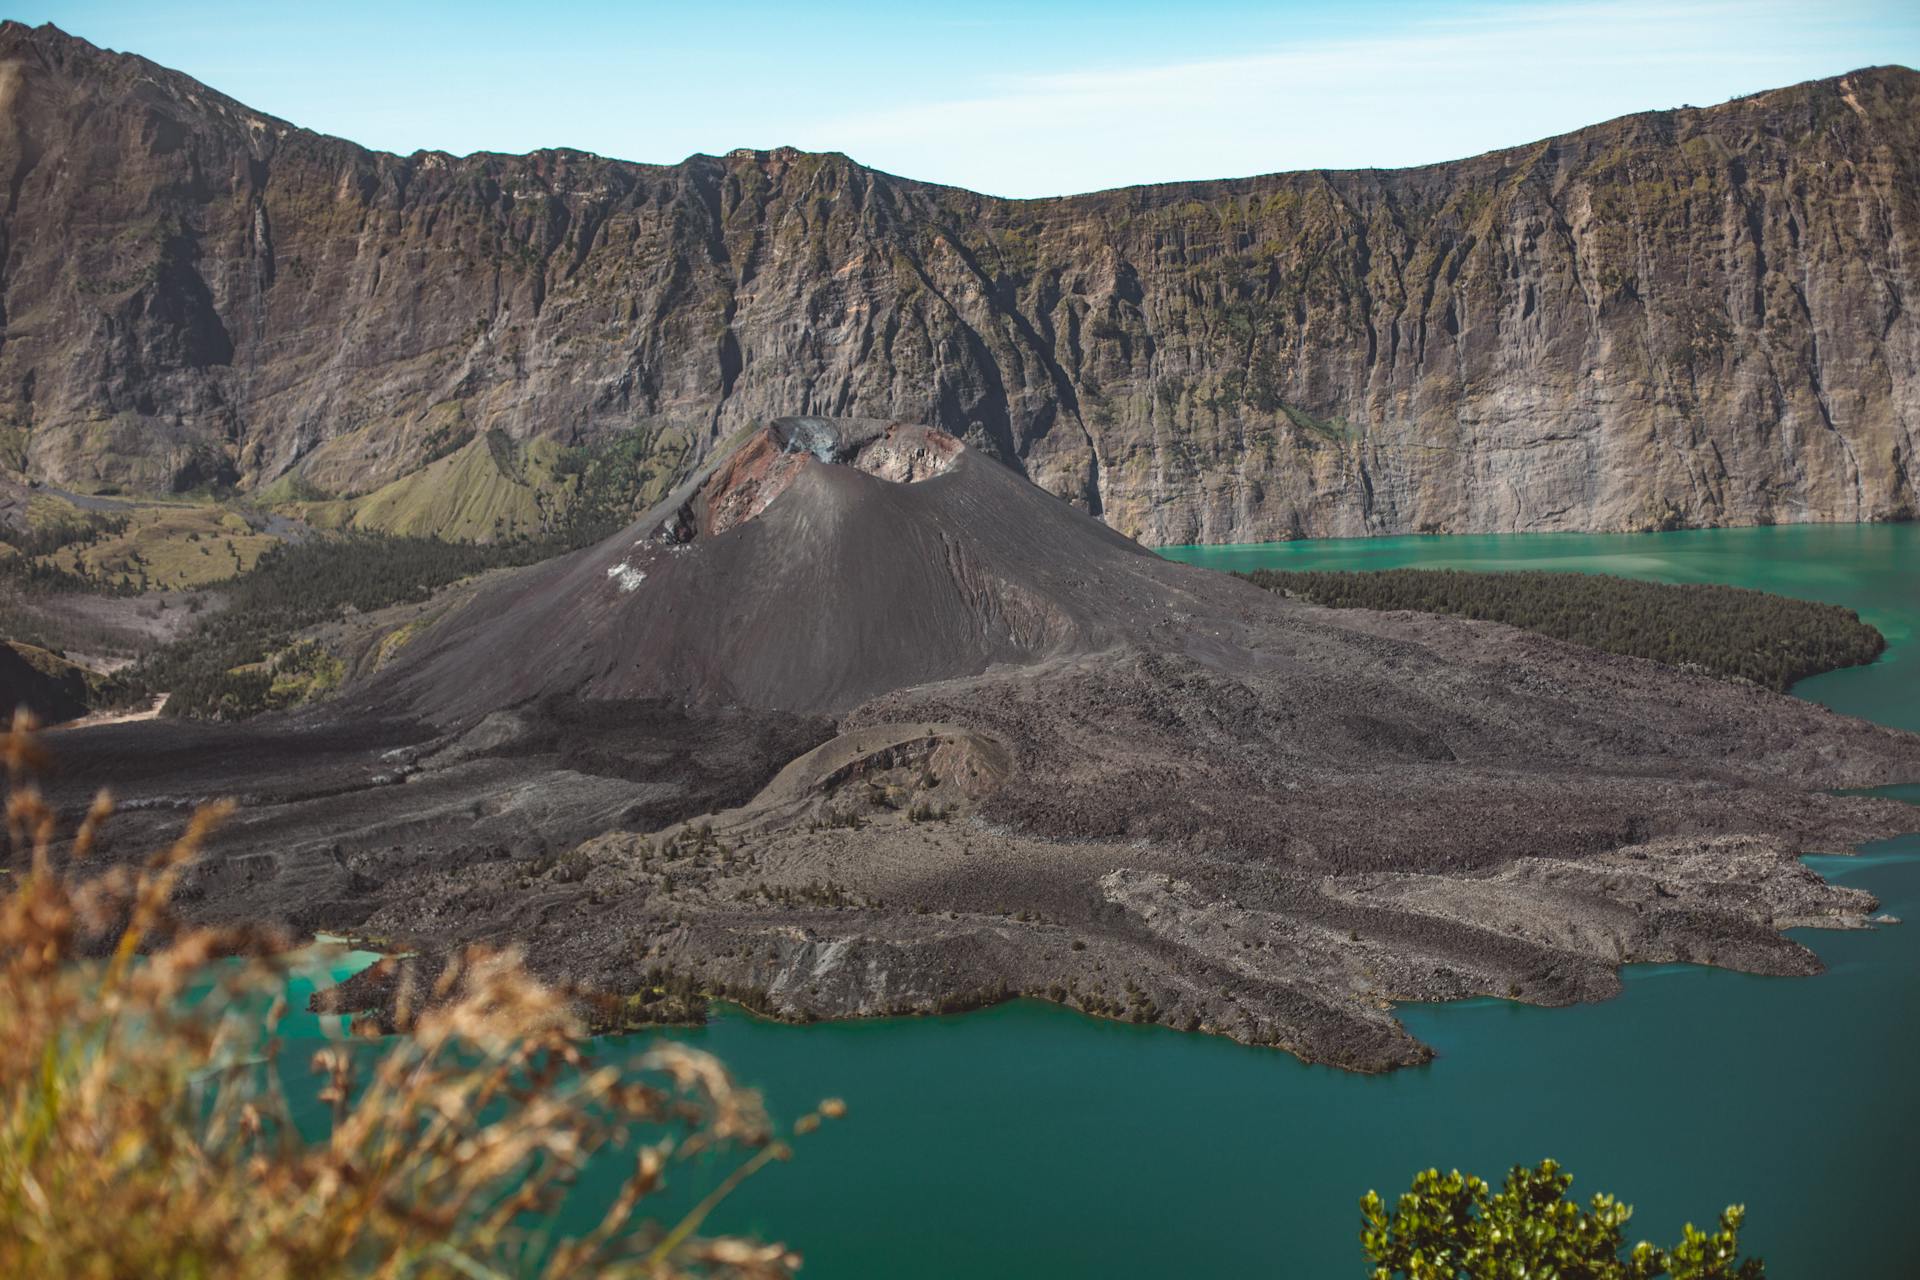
point(1453, 1226)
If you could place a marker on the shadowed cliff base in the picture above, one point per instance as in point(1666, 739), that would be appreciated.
point(883, 745)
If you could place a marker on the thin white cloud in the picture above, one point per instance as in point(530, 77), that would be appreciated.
point(1429, 90)
point(1208, 88)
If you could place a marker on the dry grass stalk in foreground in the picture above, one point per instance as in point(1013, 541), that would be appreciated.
point(144, 1130)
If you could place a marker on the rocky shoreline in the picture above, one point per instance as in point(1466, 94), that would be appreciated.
point(933, 865)
point(824, 736)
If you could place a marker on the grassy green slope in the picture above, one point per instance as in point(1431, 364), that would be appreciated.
point(494, 490)
point(485, 491)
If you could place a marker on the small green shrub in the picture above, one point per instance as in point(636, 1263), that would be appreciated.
point(1453, 1226)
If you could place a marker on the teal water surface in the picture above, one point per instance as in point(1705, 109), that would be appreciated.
point(1029, 1141)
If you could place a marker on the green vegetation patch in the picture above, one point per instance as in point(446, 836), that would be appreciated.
point(131, 547)
point(1453, 1226)
point(488, 488)
point(250, 657)
point(481, 492)
point(1729, 632)
point(162, 547)
point(487, 505)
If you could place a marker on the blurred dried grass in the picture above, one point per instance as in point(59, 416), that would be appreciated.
point(145, 1129)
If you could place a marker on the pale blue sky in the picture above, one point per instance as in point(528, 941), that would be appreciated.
point(1033, 98)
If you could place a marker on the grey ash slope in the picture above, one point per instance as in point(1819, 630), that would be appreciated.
point(842, 586)
point(832, 736)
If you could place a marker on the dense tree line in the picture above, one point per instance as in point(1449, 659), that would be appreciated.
point(22, 576)
point(67, 531)
point(1728, 631)
point(215, 669)
point(610, 480)
point(24, 572)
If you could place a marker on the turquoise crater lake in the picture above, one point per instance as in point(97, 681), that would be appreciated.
point(1029, 1141)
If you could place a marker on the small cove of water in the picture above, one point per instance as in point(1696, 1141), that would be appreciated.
point(1029, 1141)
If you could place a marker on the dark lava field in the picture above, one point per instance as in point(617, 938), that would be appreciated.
point(861, 722)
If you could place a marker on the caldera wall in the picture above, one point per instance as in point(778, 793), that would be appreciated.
point(1689, 317)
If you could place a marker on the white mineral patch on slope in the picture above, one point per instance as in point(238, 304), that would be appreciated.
point(628, 577)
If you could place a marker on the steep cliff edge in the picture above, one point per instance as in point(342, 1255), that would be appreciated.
point(1686, 317)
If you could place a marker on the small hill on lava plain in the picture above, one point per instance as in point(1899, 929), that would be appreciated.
point(858, 722)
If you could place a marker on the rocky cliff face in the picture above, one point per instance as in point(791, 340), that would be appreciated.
point(1690, 317)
